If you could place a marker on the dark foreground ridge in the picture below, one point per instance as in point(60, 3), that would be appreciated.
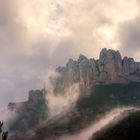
point(126, 129)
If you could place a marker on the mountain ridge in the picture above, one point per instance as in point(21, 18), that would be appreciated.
point(109, 68)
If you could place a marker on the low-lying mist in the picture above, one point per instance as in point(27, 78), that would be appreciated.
point(107, 119)
point(60, 103)
point(57, 104)
point(7, 116)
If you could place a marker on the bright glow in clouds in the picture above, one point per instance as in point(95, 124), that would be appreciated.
point(76, 19)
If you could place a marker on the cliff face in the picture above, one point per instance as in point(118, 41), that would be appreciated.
point(109, 68)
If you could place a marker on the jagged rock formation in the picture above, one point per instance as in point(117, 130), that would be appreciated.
point(30, 112)
point(109, 68)
point(36, 96)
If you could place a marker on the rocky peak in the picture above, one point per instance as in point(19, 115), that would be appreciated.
point(110, 64)
point(103, 53)
point(36, 95)
point(30, 112)
point(129, 65)
point(70, 62)
point(109, 54)
point(11, 106)
point(82, 58)
point(109, 68)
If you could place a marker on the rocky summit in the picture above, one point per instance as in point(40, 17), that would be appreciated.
point(109, 68)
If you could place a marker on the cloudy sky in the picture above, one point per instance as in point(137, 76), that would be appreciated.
point(37, 35)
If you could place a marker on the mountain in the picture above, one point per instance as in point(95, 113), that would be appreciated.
point(104, 84)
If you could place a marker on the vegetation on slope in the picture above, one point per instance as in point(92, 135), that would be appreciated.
point(126, 129)
point(88, 109)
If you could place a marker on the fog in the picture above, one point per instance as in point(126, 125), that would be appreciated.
point(60, 103)
point(37, 34)
point(107, 119)
point(7, 116)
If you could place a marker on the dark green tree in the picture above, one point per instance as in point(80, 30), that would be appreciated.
point(4, 134)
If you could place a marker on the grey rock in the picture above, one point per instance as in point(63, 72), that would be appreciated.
point(36, 95)
point(129, 65)
point(109, 68)
point(110, 64)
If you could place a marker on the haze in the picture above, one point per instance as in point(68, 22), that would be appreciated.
point(38, 35)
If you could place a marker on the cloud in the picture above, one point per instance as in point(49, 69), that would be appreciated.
point(60, 103)
point(7, 117)
point(129, 37)
point(36, 34)
point(113, 116)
